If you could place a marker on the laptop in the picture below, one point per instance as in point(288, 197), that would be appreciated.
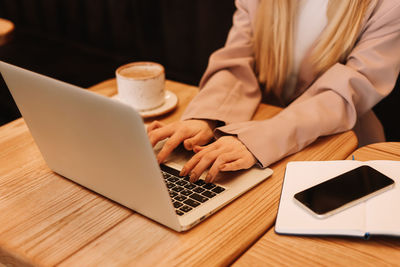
point(101, 144)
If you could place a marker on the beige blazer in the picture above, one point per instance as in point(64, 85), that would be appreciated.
point(339, 100)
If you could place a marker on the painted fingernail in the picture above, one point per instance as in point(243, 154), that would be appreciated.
point(193, 177)
point(208, 178)
point(183, 172)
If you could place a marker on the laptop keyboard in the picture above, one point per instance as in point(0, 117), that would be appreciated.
point(186, 195)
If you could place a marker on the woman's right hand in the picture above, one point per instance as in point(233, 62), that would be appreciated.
point(189, 132)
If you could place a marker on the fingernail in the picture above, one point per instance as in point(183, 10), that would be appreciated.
point(208, 178)
point(183, 172)
point(222, 166)
point(193, 177)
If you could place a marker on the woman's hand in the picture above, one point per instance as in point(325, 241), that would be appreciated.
point(225, 154)
point(191, 132)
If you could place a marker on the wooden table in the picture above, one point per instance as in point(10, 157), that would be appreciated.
point(273, 249)
point(6, 30)
point(47, 220)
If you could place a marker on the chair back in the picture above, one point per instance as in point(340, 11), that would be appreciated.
point(388, 111)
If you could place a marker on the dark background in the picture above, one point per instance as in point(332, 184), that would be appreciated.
point(83, 41)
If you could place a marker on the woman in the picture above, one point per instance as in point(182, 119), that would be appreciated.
point(328, 62)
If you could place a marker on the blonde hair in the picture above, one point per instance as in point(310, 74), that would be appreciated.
point(273, 38)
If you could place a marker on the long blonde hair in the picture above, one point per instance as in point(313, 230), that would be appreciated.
point(273, 38)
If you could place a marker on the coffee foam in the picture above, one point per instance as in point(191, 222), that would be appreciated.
point(140, 71)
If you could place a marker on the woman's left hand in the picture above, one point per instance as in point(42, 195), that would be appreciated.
point(227, 153)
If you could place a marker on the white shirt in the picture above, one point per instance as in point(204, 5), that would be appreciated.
point(311, 20)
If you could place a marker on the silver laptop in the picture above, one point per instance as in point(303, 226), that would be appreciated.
point(102, 144)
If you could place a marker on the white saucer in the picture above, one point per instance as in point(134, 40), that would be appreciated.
point(171, 100)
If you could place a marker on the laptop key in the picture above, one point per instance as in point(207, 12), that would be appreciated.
point(181, 183)
point(185, 208)
point(209, 194)
point(186, 192)
point(177, 204)
point(177, 189)
point(200, 182)
point(190, 186)
point(173, 194)
point(173, 179)
point(180, 213)
point(198, 197)
point(218, 189)
point(191, 202)
point(209, 186)
point(198, 189)
point(170, 185)
point(180, 198)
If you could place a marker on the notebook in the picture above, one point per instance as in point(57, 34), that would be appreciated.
point(101, 144)
point(377, 215)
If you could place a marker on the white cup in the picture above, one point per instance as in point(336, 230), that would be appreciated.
point(141, 85)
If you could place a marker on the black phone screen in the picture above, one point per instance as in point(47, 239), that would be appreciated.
point(343, 189)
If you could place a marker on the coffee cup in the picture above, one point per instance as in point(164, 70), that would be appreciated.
point(141, 85)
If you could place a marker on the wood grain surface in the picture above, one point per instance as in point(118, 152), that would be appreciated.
point(47, 220)
point(273, 249)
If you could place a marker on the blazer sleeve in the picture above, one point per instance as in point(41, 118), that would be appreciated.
point(229, 91)
point(337, 98)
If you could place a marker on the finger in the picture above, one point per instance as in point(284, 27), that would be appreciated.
point(187, 168)
point(206, 161)
point(232, 166)
point(170, 145)
point(154, 125)
point(240, 163)
point(189, 165)
point(159, 134)
point(197, 149)
point(221, 160)
point(214, 145)
point(197, 140)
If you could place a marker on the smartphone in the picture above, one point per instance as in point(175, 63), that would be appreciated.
point(343, 191)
